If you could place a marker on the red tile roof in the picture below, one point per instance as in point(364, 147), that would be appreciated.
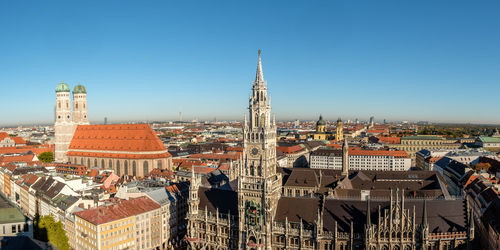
point(162, 173)
point(4, 160)
point(120, 210)
point(23, 149)
point(290, 150)
point(202, 169)
point(237, 149)
point(30, 179)
point(3, 135)
point(220, 157)
point(132, 141)
point(18, 140)
point(93, 173)
point(390, 140)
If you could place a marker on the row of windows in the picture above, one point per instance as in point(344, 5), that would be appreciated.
point(126, 170)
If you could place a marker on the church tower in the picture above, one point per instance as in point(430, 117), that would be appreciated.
point(321, 125)
point(340, 130)
point(63, 127)
point(80, 114)
point(259, 186)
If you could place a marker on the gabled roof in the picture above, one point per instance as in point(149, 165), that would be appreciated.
point(117, 141)
point(302, 178)
point(119, 210)
point(18, 140)
point(3, 135)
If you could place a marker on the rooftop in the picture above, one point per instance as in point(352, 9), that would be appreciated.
point(120, 210)
point(117, 141)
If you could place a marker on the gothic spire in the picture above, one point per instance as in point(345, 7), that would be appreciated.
point(259, 76)
point(345, 158)
point(368, 213)
point(424, 214)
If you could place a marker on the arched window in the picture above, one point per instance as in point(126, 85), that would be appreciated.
point(102, 163)
point(159, 164)
point(134, 169)
point(76, 105)
point(126, 168)
point(252, 170)
point(110, 165)
point(118, 168)
point(88, 163)
point(81, 161)
point(145, 167)
point(259, 171)
point(95, 162)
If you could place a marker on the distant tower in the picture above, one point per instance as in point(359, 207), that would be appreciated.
point(180, 116)
point(345, 158)
point(105, 120)
point(372, 121)
point(64, 126)
point(80, 114)
point(321, 125)
point(340, 130)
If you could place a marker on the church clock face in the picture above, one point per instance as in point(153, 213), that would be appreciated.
point(254, 151)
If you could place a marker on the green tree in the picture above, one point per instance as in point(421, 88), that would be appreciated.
point(46, 229)
point(46, 157)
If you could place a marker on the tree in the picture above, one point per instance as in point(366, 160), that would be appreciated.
point(46, 229)
point(46, 157)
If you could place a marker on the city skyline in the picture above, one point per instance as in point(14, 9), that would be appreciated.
point(334, 60)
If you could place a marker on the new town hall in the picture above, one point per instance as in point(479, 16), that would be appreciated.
point(266, 207)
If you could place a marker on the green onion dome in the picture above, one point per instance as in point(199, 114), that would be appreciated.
point(79, 89)
point(62, 87)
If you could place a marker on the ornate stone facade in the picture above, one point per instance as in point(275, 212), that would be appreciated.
point(258, 212)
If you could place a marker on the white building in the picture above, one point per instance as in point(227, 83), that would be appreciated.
point(361, 159)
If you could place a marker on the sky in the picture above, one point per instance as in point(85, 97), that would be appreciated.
point(149, 60)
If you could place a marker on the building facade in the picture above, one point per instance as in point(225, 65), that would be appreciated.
point(257, 214)
point(128, 149)
point(127, 224)
point(413, 144)
point(67, 117)
point(361, 159)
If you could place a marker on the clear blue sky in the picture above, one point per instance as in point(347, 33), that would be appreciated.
point(148, 60)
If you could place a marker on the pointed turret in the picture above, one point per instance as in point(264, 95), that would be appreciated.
point(259, 76)
point(425, 227)
point(194, 200)
point(424, 214)
point(368, 213)
point(345, 158)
